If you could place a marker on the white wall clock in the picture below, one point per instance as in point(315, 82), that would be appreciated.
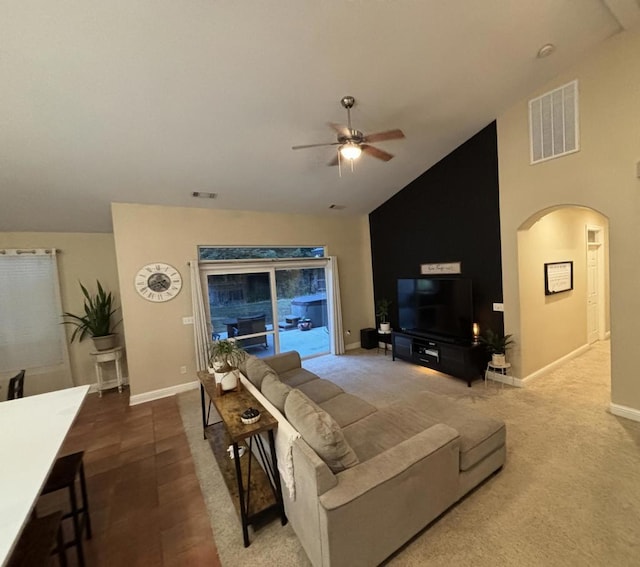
point(158, 282)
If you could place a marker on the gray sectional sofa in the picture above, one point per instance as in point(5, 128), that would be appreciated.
point(365, 479)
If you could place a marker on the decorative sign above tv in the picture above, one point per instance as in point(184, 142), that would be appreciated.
point(558, 277)
point(446, 268)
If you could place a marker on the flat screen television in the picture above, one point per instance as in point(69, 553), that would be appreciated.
point(436, 306)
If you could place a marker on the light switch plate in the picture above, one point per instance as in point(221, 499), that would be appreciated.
point(498, 307)
point(187, 320)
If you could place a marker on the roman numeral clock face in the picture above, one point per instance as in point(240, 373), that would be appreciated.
point(158, 282)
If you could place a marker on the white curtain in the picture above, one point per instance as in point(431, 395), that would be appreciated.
point(31, 336)
point(200, 327)
point(337, 334)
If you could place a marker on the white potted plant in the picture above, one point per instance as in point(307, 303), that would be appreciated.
point(96, 321)
point(497, 345)
point(224, 357)
point(382, 311)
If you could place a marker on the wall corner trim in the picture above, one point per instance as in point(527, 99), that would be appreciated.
point(625, 411)
point(162, 393)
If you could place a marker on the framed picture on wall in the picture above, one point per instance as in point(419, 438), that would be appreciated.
point(558, 277)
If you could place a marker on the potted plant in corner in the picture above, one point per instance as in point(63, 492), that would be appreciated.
point(224, 357)
point(382, 311)
point(96, 321)
point(497, 345)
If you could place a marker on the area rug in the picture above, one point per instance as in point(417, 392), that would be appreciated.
point(568, 494)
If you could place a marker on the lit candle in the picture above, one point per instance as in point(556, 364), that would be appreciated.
point(476, 330)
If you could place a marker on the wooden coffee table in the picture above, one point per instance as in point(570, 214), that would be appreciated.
point(255, 490)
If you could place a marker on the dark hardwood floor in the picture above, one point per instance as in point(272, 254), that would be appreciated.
point(146, 505)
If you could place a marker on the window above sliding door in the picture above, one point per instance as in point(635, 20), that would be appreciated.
point(227, 253)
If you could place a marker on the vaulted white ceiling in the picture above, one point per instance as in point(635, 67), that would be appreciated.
point(147, 101)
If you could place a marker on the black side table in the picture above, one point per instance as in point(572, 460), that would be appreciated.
point(384, 337)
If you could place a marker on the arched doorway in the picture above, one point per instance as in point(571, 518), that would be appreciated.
point(555, 327)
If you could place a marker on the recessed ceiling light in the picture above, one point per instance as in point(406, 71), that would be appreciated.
point(203, 195)
point(546, 50)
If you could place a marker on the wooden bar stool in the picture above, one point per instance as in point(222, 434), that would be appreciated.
point(63, 475)
point(39, 537)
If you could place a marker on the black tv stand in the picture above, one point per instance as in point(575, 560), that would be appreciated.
point(456, 358)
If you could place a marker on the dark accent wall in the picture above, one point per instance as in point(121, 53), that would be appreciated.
point(448, 214)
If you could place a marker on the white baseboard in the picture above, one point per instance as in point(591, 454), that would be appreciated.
point(555, 364)
point(624, 411)
point(162, 393)
point(352, 346)
point(506, 379)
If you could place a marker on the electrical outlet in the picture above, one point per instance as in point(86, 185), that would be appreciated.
point(498, 307)
point(187, 320)
point(183, 370)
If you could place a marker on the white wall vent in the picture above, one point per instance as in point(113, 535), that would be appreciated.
point(553, 123)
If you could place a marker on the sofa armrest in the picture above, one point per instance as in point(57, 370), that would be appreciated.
point(367, 476)
point(284, 361)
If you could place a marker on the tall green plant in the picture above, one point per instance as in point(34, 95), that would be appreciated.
point(382, 309)
point(96, 320)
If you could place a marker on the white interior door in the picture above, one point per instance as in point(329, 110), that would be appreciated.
point(593, 296)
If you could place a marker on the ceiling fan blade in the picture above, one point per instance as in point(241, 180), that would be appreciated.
point(382, 136)
point(314, 146)
point(334, 161)
point(375, 152)
point(340, 129)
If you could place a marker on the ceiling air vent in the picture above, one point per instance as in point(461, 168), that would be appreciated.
point(337, 207)
point(553, 123)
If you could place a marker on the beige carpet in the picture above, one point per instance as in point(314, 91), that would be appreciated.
point(568, 495)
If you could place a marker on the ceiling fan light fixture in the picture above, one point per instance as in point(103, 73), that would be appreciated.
point(350, 151)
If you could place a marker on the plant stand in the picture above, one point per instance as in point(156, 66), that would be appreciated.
point(497, 372)
point(112, 355)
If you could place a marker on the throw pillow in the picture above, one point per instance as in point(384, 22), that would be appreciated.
point(320, 431)
point(255, 370)
point(274, 390)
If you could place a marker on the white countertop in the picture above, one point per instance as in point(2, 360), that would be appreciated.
point(32, 430)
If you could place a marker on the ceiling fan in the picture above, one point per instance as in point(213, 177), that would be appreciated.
point(351, 142)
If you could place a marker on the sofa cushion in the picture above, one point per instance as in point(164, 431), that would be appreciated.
point(480, 435)
point(320, 431)
point(320, 390)
point(274, 390)
point(347, 408)
point(296, 377)
point(284, 361)
point(255, 370)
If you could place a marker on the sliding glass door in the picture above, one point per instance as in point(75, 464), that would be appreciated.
point(269, 310)
point(303, 320)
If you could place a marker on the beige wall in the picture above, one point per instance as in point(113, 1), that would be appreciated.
point(81, 257)
point(553, 326)
point(158, 344)
point(602, 176)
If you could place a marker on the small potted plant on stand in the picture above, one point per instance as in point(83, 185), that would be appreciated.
point(497, 345)
point(96, 321)
point(224, 357)
point(382, 311)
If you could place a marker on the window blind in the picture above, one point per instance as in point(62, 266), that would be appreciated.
point(31, 335)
